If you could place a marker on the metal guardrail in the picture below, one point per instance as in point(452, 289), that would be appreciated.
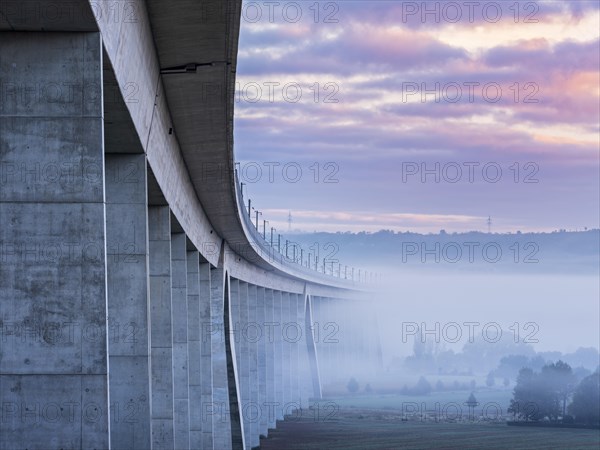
point(273, 252)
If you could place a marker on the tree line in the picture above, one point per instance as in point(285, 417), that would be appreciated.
point(553, 394)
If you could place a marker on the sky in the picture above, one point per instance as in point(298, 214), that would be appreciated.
point(420, 116)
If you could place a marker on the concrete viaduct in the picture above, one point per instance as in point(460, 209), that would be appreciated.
point(139, 306)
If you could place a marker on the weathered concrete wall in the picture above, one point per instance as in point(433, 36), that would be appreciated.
point(294, 334)
point(261, 361)
point(53, 359)
point(279, 357)
point(206, 372)
point(221, 422)
point(127, 287)
point(271, 357)
point(180, 340)
point(253, 413)
point(161, 329)
point(194, 342)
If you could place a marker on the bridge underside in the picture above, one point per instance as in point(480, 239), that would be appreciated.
point(127, 320)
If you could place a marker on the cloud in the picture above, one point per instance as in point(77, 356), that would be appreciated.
point(539, 56)
point(547, 113)
point(356, 46)
point(353, 221)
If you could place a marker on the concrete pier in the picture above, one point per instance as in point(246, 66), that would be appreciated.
point(271, 358)
point(252, 413)
point(179, 314)
point(261, 362)
point(206, 407)
point(53, 283)
point(161, 329)
point(128, 300)
point(194, 347)
point(279, 361)
point(220, 410)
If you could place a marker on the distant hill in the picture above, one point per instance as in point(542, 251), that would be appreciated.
point(556, 252)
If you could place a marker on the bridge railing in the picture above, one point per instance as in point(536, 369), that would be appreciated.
point(273, 252)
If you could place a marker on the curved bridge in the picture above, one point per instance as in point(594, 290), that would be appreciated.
point(139, 307)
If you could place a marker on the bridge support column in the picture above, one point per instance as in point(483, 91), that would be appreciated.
point(353, 325)
point(341, 313)
point(328, 347)
point(159, 227)
point(52, 217)
point(179, 313)
point(225, 431)
point(239, 295)
point(313, 357)
point(334, 337)
point(294, 335)
point(221, 426)
point(238, 292)
point(314, 304)
point(278, 353)
point(270, 359)
point(194, 329)
point(253, 411)
point(322, 351)
point(287, 352)
point(127, 269)
point(206, 406)
point(261, 361)
point(304, 373)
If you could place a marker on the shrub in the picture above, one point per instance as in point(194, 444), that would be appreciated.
point(353, 385)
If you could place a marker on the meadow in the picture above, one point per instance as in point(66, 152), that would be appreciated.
point(387, 422)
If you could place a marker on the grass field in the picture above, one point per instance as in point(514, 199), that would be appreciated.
point(369, 430)
point(492, 400)
point(380, 422)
